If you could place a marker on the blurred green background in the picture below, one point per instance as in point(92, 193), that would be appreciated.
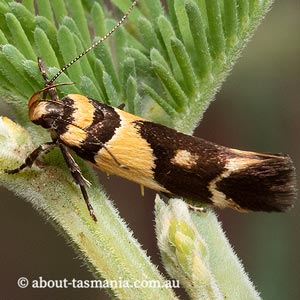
point(258, 109)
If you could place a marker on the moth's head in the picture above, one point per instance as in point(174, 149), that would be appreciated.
point(45, 111)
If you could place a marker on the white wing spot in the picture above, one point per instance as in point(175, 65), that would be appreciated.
point(184, 158)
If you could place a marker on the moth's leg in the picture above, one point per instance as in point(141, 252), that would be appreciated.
point(43, 69)
point(200, 209)
point(78, 177)
point(32, 157)
point(165, 196)
point(121, 106)
point(115, 159)
point(51, 92)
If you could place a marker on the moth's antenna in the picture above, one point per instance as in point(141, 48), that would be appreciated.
point(120, 22)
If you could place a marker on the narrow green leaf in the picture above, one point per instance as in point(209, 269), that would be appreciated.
point(154, 7)
point(88, 4)
point(252, 7)
point(25, 17)
point(128, 71)
point(20, 39)
point(12, 54)
point(148, 35)
point(45, 10)
point(159, 60)
point(230, 23)
point(131, 95)
point(156, 56)
point(98, 20)
point(5, 84)
point(70, 23)
point(173, 18)
point(203, 60)
point(4, 9)
point(132, 38)
point(168, 33)
point(159, 100)
point(243, 12)
point(129, 68)
point(32, 70)
point(98, 71)
point(104, 54)
point(187, 70)
point(51, 32)
point(124, 5)
point(59, 10)
point(202, 7)
point(172, 86)
point(45, 49)
point(29, 4)
point(120, 42)
point(87, 69)
point(79, 17)
point(89, 89)
point(216, 35)
point(3, 39)
point(112, 95)
point(13, 77)
point(69, 51)
point(142, 62)
point(183, 23)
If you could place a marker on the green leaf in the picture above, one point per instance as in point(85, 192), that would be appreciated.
point(29, 5)
point(148, 36)
point(103, 53)
point(45, 10)
point(203, 62)
point(59, 10)
point(159, 100)
point(111, 92)
point(88, 86)
point(131, 94)
point(98, 20)
point(19, 35)
point(51, 33)
point(25, 17)
point(186, 67)
point(45, 49)
point(68, 49)
point(78, 15)
point(216, 34)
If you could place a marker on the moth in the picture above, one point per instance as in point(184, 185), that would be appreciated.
point(156, 156)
